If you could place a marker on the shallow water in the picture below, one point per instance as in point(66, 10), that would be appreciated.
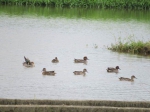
point(42, 34)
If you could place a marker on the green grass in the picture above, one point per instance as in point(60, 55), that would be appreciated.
point(127, 4)
point(129, 45)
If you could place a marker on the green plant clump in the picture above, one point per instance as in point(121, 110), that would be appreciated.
point(127, 4)
point(131, 46)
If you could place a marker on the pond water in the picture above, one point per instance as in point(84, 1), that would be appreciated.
point(44, 33)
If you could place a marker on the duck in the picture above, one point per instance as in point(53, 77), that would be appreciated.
point(28, 63)
point(127, 79)
point(111, 69)
point(84, 60)
point(95, 46)
point(44, 72)
point(80, 72)
point(55, 60)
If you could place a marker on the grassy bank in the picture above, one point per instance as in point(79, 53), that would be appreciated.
point(127, 4)
point(131, 46)
point(136, 104)
point(60, 108)
point(16, 105)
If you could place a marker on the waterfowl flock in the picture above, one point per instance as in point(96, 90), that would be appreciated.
point(116, 69)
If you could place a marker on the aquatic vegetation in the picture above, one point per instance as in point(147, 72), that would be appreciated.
point(128, 4)
point(131, 46)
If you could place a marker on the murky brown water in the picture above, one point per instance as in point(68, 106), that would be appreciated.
point(42, 38)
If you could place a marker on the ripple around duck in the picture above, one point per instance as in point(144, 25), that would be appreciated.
point(68, 40)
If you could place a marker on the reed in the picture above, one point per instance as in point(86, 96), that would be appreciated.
point(127, 4)
point(131, 46)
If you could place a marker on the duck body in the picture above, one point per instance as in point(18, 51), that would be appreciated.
point(55, 60)
point(127, 79)
point(111, 69)
point(84, 60)
point(28, 63)
point(80, 72)
point(44, 72)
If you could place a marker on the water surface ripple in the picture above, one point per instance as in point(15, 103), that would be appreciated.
point(43, 38)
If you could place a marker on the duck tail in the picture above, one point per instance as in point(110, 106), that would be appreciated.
point(120, 78)
point(107, 70)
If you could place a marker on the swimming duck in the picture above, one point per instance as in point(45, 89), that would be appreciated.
point(111, 69)
point(84, 60)
point(55, 60)
point(44, 72)
point(28, 63)
point(128, 79)
point(80, 72)
point(95, 46)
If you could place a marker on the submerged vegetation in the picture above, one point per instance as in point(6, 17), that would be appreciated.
point(127, 4)
point(131, 46)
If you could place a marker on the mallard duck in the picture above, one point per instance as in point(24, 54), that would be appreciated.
point(80, 72)
point(127, 79)
point(44, 72)
point(55, 60)
point(84, 60)
point(28, 63)
point(111, 69)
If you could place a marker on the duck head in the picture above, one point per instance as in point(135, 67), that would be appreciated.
point(133, 77)
point(85, 70)
point(44, 69)
point(85, 58)
point(117, 67)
